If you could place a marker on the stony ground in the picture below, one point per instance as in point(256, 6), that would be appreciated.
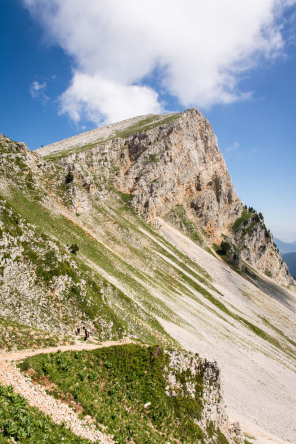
point(263, 397)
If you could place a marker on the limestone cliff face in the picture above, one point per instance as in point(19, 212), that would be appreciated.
point(257, 248)
point(173, 162)
point(181, 164)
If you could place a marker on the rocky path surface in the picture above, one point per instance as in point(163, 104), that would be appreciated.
point(36, 395)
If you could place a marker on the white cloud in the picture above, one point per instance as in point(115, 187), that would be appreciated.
point(36, 89)
point(200, 49)
point(233, 147)
point(100, 99)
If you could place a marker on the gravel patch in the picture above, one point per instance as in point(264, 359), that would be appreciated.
point(259, 380)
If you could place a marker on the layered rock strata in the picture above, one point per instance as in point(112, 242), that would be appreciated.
point(174, 162)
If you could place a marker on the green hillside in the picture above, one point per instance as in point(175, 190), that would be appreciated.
point(24, 424)
point(75, 250)
point(128, 389)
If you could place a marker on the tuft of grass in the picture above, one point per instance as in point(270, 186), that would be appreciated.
point(245, 216)
point(221, 439)
point(125, 197)
point(153, 158)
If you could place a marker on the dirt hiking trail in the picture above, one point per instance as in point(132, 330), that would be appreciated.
point(36, 394)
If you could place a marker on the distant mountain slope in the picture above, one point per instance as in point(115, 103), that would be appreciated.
point(285, 247)
point(290, 259)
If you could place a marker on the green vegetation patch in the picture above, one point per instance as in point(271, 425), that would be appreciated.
point(124, 388)
point(178, 217)
point(21, 423)
point(10, 220)
point(206, 294)
point(14, 335)
point(221, 438)
point(147, 124)
point(153, 158)
point(262, 334)
point(245, 216)
point(280, 332)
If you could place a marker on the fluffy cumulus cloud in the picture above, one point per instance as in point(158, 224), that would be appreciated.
point(129, 54)
point(102, 99)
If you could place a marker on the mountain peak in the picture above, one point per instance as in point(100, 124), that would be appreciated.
point(102, 134)
point(132, 236)
point(168, 165)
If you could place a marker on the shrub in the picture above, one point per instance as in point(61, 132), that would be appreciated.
point(74, 248)
point(69, 177)
point(113, 385)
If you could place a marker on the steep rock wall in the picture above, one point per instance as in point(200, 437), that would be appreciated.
point(175, 163)
point(181, 164)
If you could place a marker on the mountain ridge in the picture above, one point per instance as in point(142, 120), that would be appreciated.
point(152, 279)
point(172, 160)
point(285, 247)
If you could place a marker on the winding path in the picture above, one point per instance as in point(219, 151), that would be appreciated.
point(36, 395)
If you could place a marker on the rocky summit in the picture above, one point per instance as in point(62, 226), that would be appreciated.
point(170, 165)
point(136, 231)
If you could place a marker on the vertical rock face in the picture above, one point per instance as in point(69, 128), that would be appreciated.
point(173, 161)
point(181, 164)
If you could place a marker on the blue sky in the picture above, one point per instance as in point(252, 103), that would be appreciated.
point(67, 66)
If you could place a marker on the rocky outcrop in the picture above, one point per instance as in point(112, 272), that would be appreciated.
point(256, 247)
point(181, 164)
point(175, 162)
point(202, 380)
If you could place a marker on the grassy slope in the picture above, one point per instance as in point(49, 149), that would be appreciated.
point(16, 335)
point(170, 276)
point(125, 389)
point(133, 275)
point(93, 304)
point(22, 423)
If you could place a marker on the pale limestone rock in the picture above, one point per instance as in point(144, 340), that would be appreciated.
point(177, 162)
